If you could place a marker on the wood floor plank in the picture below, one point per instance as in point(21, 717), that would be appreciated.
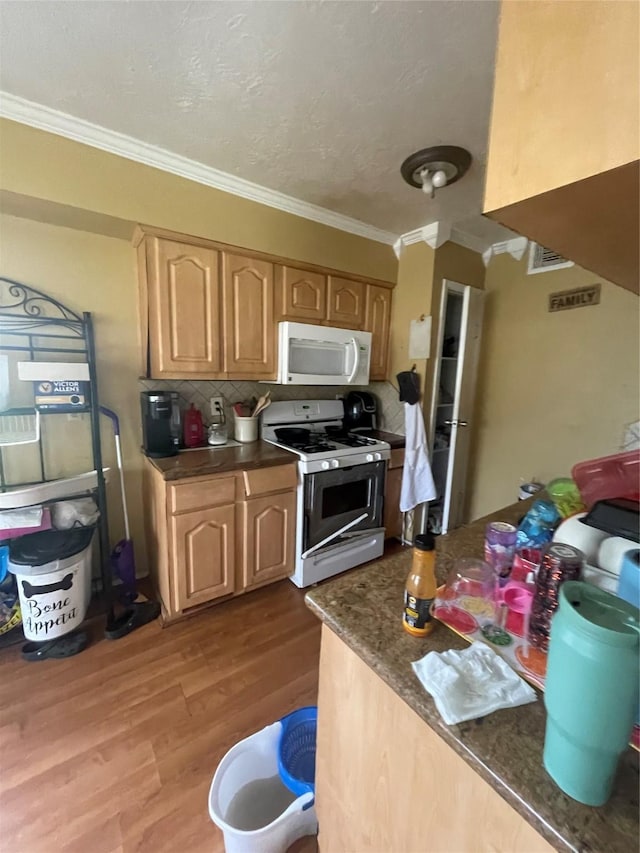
point(113, 751)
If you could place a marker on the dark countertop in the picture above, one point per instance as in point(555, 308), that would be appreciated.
point(221, 460)
point(364, 608)
point(396, 441)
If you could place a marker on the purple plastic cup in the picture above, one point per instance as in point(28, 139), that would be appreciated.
point(500, 547)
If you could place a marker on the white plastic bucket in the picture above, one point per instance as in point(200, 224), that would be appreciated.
point(256, 758)
point(54, 597)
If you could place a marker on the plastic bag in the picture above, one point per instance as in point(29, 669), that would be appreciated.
point(471, 683)
point(77, 513)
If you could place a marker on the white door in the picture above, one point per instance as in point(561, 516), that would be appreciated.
point(453, 398)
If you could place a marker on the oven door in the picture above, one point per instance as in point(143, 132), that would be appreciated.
point(334, 498)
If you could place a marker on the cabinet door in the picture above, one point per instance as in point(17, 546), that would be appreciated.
point(377, 321)
point(392, 518)
point(203, 547)
point(184, 309)
point(268, 538)
point(346, 303)
point(300, 295)
point(250, 332)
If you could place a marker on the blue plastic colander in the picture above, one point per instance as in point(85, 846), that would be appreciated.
point(297, 750)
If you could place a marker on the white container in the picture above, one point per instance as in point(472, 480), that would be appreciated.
point(54, 597)
point(252, 759)
point(246, 429)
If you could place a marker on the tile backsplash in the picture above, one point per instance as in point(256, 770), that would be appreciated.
point(199, 392)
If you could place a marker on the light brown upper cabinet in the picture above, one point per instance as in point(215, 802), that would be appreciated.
point(345, 303)
point(301, 295)
point(184, 308)
point(378, 322)
point(564, 142)
point(249, 329)
point(211, 311)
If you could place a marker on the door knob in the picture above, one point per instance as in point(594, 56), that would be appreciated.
point(462, 423)
point(456, 423)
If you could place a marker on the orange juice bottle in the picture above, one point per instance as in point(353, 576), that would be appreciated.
point(420, 588)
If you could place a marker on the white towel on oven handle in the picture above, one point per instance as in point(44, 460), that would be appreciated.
point(417, 480)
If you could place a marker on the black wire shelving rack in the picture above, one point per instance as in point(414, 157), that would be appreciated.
point(36, 327)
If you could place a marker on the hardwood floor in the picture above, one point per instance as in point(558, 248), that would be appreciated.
point(115, 749)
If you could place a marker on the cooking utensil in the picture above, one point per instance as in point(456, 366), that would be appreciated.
point(293, 435)
point(262, 403)
point(242, 410)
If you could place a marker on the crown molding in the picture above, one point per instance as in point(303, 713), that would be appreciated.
point(516, 247)
point(44, 118)
point(434, 234)
point(437, 233)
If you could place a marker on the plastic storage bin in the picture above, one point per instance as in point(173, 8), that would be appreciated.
point(256, 812)
point(53, 572)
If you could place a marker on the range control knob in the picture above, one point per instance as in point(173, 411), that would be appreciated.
point(335, 463)
point(377, 456)
point(325, 466)
point(369, 457)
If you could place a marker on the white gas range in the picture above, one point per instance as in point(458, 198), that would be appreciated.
point(340, 487)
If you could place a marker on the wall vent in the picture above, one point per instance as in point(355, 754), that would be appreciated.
point(544, 260)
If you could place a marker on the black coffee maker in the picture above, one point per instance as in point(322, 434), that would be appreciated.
point(157, 435)
point(360, 409)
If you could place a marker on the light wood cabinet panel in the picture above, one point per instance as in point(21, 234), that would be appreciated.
point(261, 481)
point(378, 322)
point(301, 295)
point(392, 517)
point(345, 303)
point(201, 494)
point(203, 547)
point(565, 75)
point(184, 309)
point(410, 791)
point(249, 328)
point(268, 538)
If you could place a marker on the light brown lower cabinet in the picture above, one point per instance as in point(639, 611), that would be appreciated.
point(203, 546)
point(268, 538)
point(213, 537)
point(393, 518)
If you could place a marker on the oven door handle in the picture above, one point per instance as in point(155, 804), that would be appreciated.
point(335, 535)
point(356, 360)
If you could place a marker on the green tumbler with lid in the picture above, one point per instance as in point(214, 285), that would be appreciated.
point(591, 690)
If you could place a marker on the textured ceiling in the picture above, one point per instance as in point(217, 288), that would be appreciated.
point(318, 100)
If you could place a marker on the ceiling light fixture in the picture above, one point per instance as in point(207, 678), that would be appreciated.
point(433, 168)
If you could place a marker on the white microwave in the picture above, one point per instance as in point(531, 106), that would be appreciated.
point(319, 355)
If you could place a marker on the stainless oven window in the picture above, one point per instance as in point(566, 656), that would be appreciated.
point(334, 498)
point(347, 497)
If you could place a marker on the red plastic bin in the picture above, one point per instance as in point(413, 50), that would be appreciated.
point(616, 476)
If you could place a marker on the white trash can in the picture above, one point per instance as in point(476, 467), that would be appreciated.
point(256, 812)
point(53, 574)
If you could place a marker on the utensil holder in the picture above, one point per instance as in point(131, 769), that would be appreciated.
point(246, 429)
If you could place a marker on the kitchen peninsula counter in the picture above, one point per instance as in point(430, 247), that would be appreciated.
point(221, 460)
point(382, 737)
